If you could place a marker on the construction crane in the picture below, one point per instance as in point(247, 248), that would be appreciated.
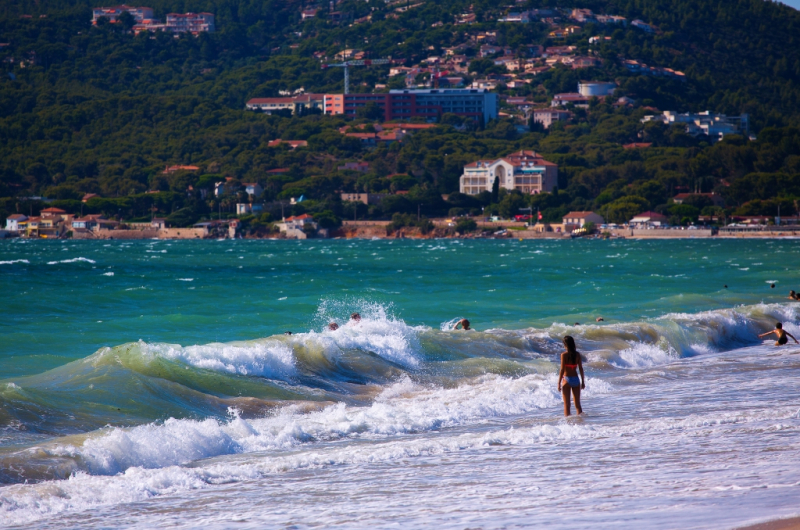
point(347, 64)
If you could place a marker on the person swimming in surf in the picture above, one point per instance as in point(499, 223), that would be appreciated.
point(463, 323)
point(355, 317)
point(333, 326)
point(781, 334)
point(571, 364)
point(793, 296)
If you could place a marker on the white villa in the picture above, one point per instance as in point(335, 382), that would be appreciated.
point(525, 171)
point(16, 222)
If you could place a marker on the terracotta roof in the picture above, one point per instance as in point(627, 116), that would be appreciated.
point(17, 216)
point(651, 215)
point(578, 215)
point(300, 217)
point(53, 210)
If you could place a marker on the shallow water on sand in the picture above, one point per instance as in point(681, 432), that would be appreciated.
point(150, 383)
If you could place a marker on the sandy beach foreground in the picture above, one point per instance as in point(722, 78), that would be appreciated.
point(792, 523)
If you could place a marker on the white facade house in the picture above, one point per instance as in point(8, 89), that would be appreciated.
point(253, 189)
point(525, 171)
point(576, 220)
point(13, 222)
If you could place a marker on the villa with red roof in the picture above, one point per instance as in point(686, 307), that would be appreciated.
point(525, 171)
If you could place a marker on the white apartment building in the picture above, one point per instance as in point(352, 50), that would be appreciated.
point(190, 22)
point(525, 171)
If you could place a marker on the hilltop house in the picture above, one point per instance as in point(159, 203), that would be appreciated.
point(561, 100)
point(549, 116)
point(715, 126)
point(253, 189)
point(295, 104)
point(525, 171)
point(293, 144)
point(715, 199)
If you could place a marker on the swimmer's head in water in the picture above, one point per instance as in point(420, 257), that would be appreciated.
point(287, 332)
point(772, 286)
point(465, 323)
point(333, 326)
point(356, 317)
point(778, 326)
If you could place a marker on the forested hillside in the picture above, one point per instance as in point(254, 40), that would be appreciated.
point(100, 110)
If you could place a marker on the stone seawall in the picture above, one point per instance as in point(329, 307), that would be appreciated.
point(166, 233)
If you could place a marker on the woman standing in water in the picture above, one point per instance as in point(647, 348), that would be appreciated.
point(568, 378)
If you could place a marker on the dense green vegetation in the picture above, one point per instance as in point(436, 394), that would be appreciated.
point(98, 110)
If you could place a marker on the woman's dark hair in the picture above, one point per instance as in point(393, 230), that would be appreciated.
point(779, 326)
point(569, 343)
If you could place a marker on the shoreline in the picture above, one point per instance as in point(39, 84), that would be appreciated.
point(790, 523)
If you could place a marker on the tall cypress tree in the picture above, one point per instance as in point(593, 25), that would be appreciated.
point(496, 190)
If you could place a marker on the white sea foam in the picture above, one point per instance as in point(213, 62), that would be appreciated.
point(402, 408)
point(73, 260)
point(108, 274)
point(11, 262)
point(644, 356)
point(27, 503)
point(269, 358)
point(377, 332)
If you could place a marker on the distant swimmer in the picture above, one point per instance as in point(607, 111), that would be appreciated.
point(355, 317)
point(780, 333)
point(287, 332)
point(463, 323)
point(793, 296)
point(772, 286)
point(333, 326)
point(568, 378)
point(599, 319)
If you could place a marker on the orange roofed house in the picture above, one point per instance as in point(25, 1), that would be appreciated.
point(575, 220)
point(525, 171)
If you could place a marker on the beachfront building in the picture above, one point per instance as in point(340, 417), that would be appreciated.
point(649, 219)
point(297, 105)
point(525, 171)
point(429, 104)
point(715, 126)
point(575, 220)
point(16, 222)
point(296, 226)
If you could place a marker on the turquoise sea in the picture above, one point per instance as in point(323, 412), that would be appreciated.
point(151, 383)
